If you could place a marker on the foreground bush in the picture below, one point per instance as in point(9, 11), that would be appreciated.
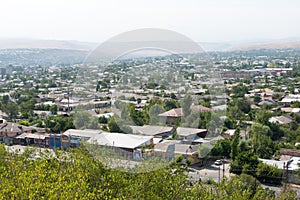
point(77, 175)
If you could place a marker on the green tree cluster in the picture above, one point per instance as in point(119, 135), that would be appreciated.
point(78, 175)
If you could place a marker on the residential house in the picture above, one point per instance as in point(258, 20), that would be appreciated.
point(170, 117)
point(168, 151)
point(190, 134)
point(281, 120)
point(73, 137)
point(33, 139)
point(160, 132)
point(9, 131)
point(292, 159)
point(126, 146)
point(290, 98)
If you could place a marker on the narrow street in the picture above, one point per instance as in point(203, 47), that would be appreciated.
point(214, 172)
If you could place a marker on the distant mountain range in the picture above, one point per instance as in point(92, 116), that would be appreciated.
point(20, 43)
point(247, 45)
point(273, 45)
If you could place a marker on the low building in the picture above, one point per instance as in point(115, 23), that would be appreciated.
point(53, 141)
point(9, 131)
point(155, 131)
point(33, 139)
point(190, 133)
point(281, 120)
point(126, 146)
point(170, 117)
point(169, 150)
point(290, 98)
point(292, 159)
point(73, 137)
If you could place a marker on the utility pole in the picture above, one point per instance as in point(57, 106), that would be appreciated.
point(284, 177)
point(219, 174)
point(283, 174)
point(286, 171)
point(223, 167)
point(68, 100)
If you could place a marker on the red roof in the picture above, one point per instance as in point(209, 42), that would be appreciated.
point(200, 108)
point(177, 112)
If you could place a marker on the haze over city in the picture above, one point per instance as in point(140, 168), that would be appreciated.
point(202, 21)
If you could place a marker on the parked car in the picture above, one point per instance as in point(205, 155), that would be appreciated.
point(218, 162)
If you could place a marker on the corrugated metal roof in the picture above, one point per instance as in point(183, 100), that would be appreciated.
point(128, 141)
point(182, 131)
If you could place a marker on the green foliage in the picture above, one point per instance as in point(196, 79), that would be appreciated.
point(222, 148)
point(263, 117)
point(197, 120)
point(261, 140)
point(242, 105)
point(83, 120)
point(58, 124)
point(113, 126)
point(186, 105)
point(269, 174)
point(246, 183)
point(5, 99)
point(78, 175)
point(256, 99)
point(103, 120)
point(53, 109)
point(11, 109)
point(234, 144)
point(170, 104)
point(240, 90)
point(24, 123)
point(235, 113)
point(27, 106)
point(204, 150)
point(229, 123)
point(118, 125)
point(246, 162)
point(154, 111)
point(139, 117)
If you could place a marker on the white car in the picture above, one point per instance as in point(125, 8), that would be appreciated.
point(218, 162)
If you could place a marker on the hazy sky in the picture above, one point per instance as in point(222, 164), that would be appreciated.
point(96, 20)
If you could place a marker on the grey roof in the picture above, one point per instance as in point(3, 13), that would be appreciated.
point(265, 103)
point(290, 98)
point(281, 119)
point(121, 140)
point(181, 131)
point(13, 127)
point(178, 112)
point(177, 148)
point(86, 133)
point(151, 130)
point(220, 107)
point(33, 136)
point(199, 140)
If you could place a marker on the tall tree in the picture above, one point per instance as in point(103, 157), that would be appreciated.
point(154, 111)
point(11, 109)
point(234, 144)
point(261, 140)
point(186, 105)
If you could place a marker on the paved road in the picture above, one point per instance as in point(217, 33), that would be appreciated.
point(211, 171)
